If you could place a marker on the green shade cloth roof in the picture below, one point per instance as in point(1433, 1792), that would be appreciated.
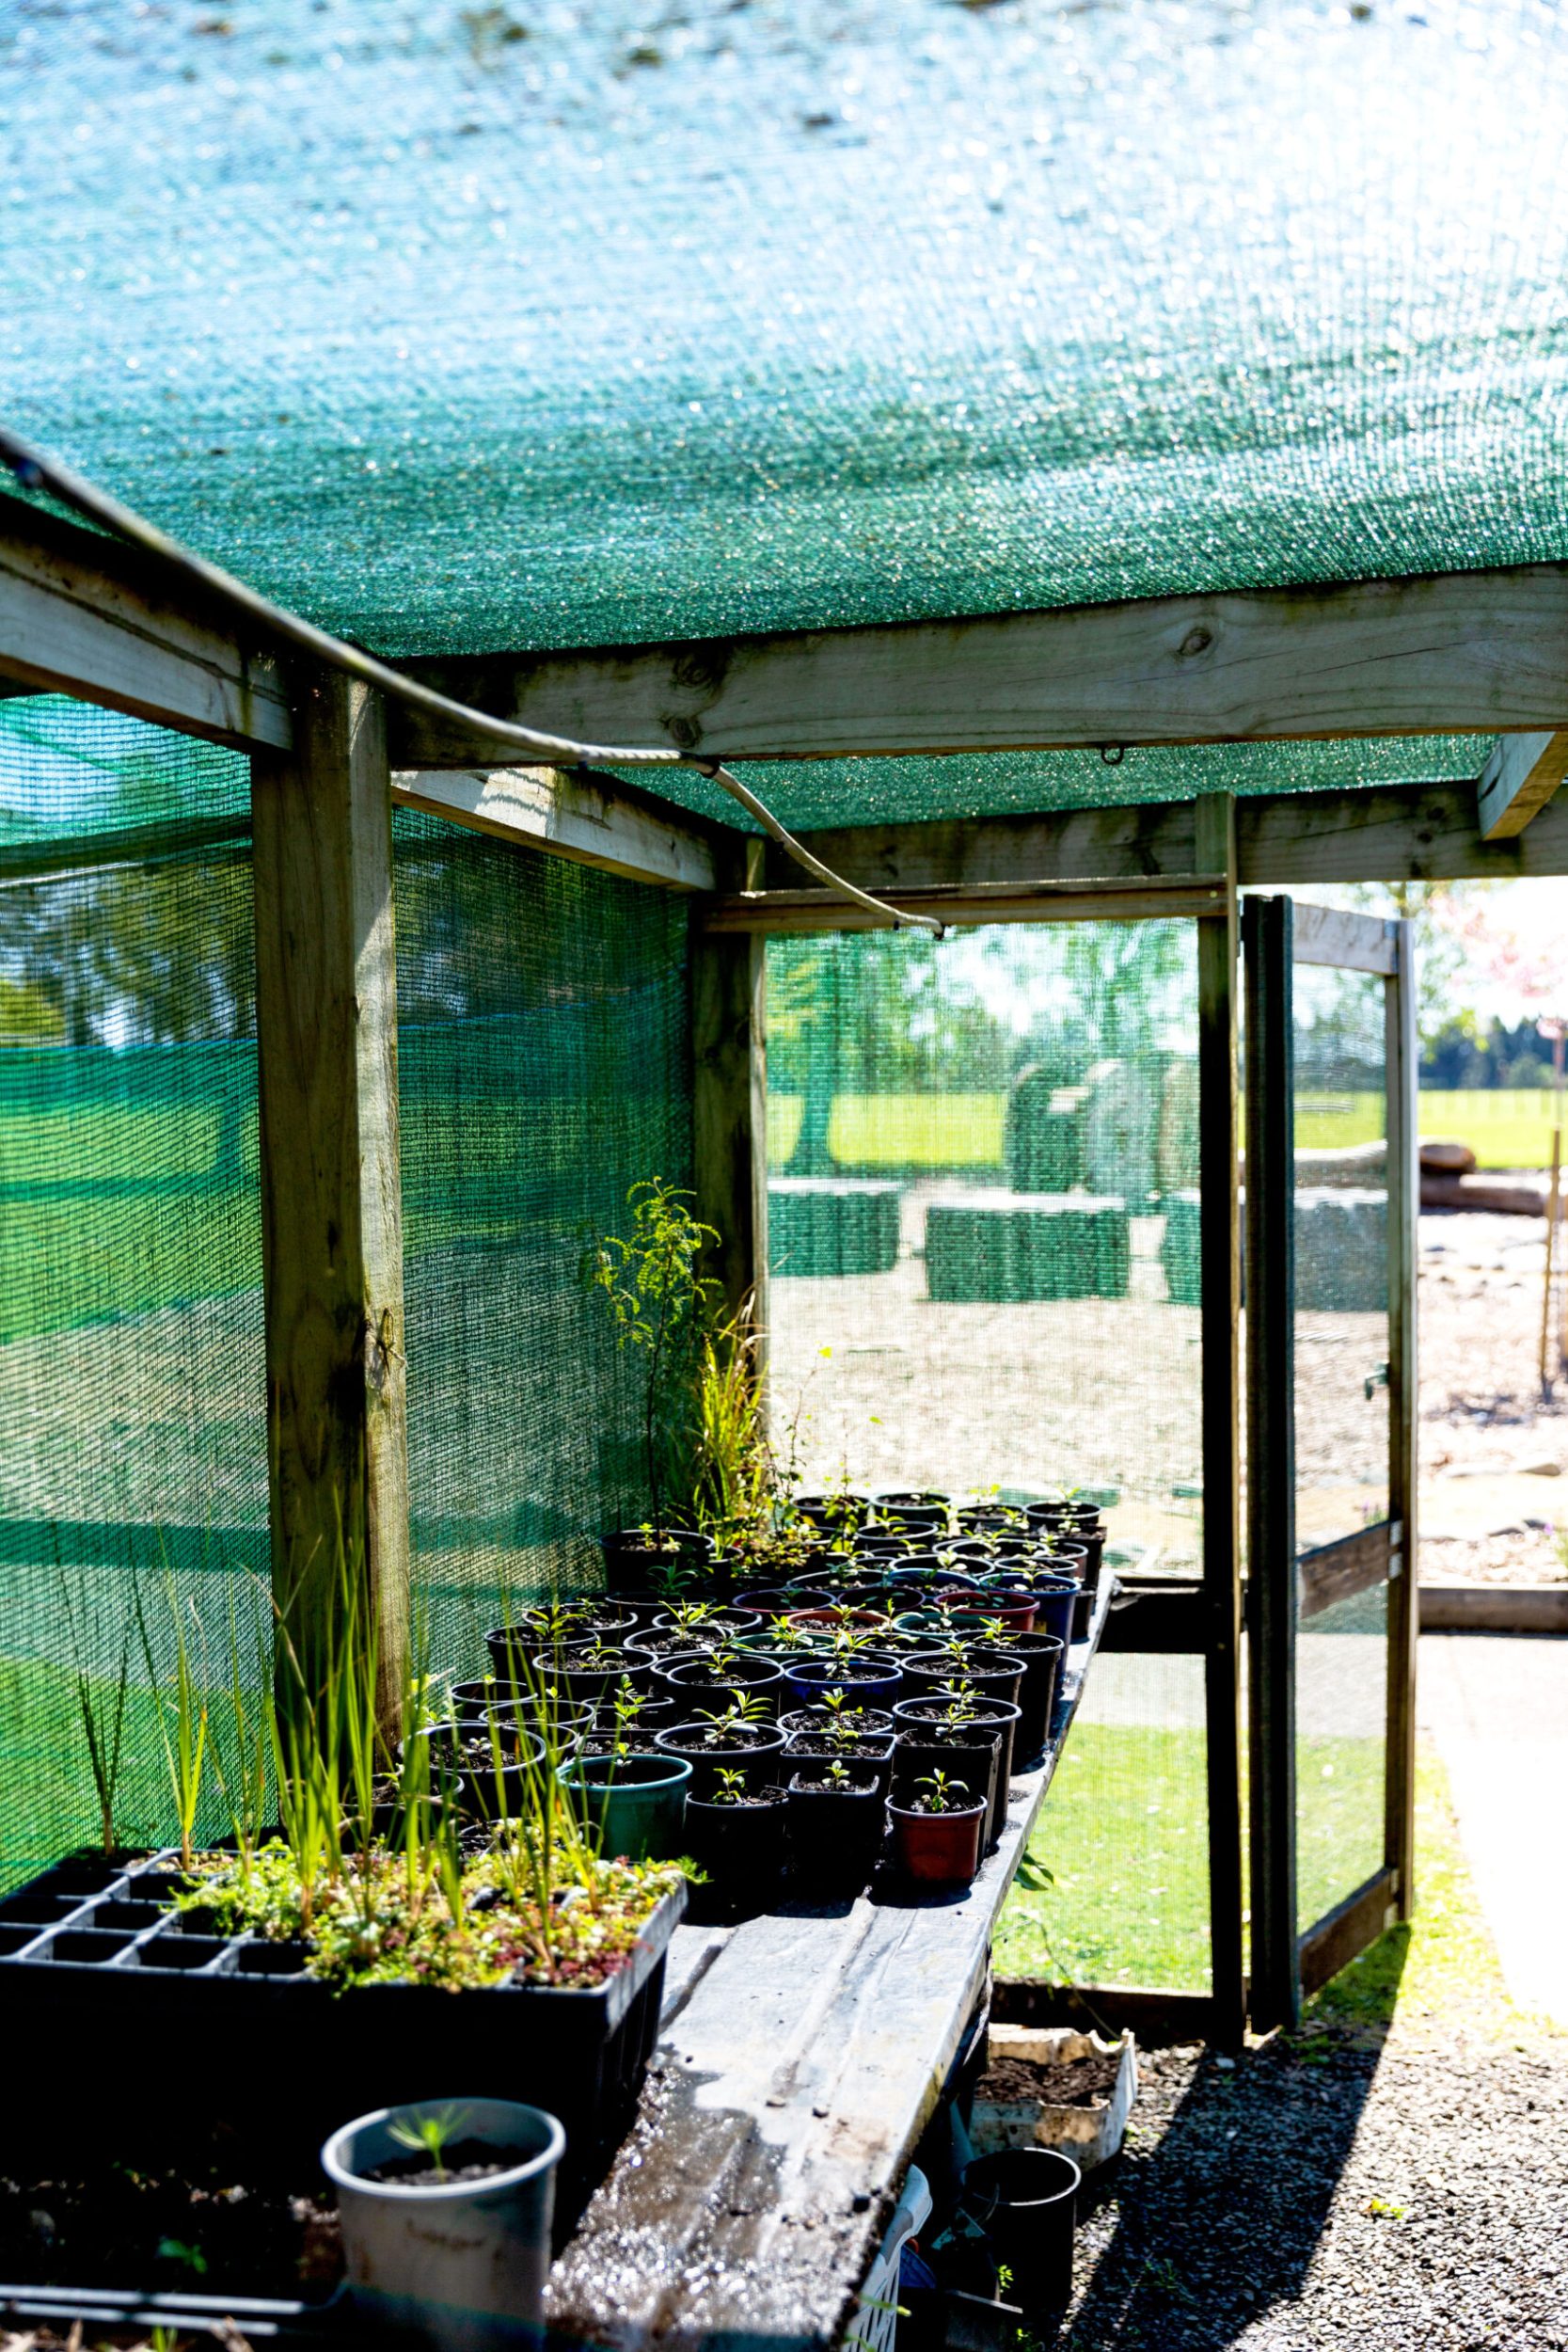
point(469, 328)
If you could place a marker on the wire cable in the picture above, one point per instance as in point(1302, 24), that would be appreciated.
point(36, 471)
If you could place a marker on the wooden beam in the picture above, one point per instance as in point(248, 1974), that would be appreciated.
point(1330, 1573)
point(1518, 782)
point(1402, 1051)
point(793, 911)
point(1392, 832)
point(729, 1110)
point(1349, 941)
point(1358, 1921)
point(84, 615)
point(1220, 1307)
point(1451, 652)
point(592, 819)
point(331, 1204)
point(1275, 1997)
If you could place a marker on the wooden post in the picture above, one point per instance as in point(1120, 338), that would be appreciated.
point(1554, 1212)
point(729, 1104)
point(331, 1201)
point(1403, 1056)
point(1271, 1506)
point(1222, 1579)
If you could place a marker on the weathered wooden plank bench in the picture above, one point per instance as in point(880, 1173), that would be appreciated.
point(801, 2057)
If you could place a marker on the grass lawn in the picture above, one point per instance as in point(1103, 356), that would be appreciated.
point(1123, 1834)
point(1505, 1127)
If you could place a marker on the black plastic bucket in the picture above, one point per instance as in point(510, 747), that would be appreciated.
point(1025, 2199)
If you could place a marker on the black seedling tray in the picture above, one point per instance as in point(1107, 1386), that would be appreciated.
point(126, 2026)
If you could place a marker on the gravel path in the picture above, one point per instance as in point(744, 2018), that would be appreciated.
point(1338, 2194)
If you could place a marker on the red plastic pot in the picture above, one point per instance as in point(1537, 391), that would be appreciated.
point(938, 1848)
point(1016, 1611)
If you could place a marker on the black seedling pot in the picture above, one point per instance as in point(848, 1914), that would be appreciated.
point(700, 1682)
point(867, 1753)
point(750, 1749)
point(997, 1671)
point(636, 1562)
point(656, 1709)
point(971, 1753)
point(835, 1832)
point(814, 1718)
point(743, 1848)
point(1042, 1655)
point(835, 1514)
point(912, 1512)
point(580, 1676)
point(980, 1715)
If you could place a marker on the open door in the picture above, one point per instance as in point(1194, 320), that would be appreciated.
point(1331, 1197)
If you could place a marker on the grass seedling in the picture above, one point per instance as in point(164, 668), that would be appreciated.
point(185, 1746)
point(102, 1715)
point(429, 2135)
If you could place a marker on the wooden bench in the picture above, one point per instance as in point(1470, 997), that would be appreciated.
point(801, 2057)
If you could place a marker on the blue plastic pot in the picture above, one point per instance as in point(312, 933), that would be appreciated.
point(811, 1677)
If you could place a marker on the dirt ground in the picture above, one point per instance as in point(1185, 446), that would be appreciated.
point(888, 1387)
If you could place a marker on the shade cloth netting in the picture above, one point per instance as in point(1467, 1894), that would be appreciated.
point(469, 328)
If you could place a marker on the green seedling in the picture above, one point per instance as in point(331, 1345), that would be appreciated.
point(942, 1793)
point(732, 1785)
point(102, 1715)
point(430, 2135)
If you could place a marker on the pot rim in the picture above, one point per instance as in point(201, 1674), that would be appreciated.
point(450, 2192)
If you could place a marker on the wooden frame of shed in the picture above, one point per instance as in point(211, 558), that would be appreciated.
point(1488, 651)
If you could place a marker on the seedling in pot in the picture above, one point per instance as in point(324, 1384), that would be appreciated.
point(942, 1793)
point(431, 2133)
point(745, 1708)
point(730, 1787)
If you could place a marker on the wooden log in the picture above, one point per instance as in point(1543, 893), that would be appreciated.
point(1440, 1158)
point(331, 1203)
point(1482, 1192)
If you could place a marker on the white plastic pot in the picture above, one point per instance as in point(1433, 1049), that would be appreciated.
point(459, 2267)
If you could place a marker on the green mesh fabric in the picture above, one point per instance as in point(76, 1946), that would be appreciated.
point(132, 1434)
point(478, 326)
point(543, 1069)
point(1028, 1097)
point(1029, 1093)
point(543, 1057)
point(1001, 784)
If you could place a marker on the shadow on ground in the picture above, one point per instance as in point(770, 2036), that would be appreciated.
point(1211, 2215)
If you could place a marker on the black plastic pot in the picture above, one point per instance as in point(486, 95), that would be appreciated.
point(699, 1682)
point(582, 1677)
point(581, 2054)
point(835, 1832)
point(996, 1671)
point(752, 1750)
point(1025, 2199)
point(912, 1512)
point(835, 1514)
point(810, 1719)
point(656, 1710)
point(971, 1753)
point(744, 1849)
point(639, 1562)
point(980, 1713)
point(869, 1752)
point(1042, 1655)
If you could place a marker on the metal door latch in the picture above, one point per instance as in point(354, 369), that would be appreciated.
point(1374, 1380)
